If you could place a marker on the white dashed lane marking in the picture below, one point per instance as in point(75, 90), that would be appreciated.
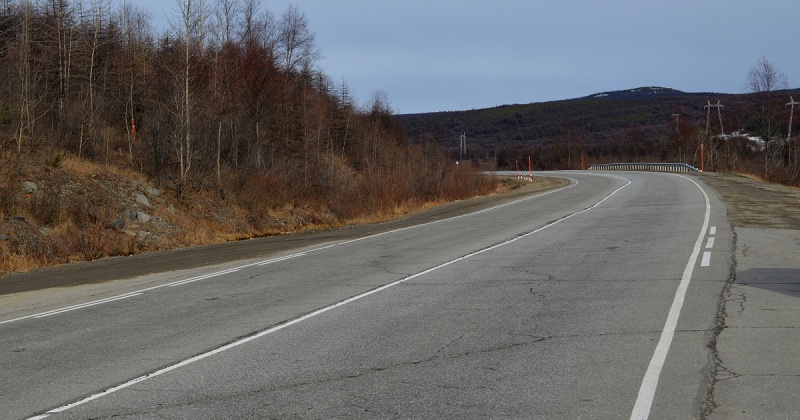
point(706, 261)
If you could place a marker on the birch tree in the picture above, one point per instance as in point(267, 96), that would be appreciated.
point(191, 31)
point(296, 41)
point(134, 23)
point(224, 17)
point(764, 81)
point(28, 73)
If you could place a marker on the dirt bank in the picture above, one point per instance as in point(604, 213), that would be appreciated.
point(154, 262)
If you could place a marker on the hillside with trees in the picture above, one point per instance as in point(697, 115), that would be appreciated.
point(114, 137)
point(648, 124)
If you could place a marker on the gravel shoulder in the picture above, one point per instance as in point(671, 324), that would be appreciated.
point(755, 204)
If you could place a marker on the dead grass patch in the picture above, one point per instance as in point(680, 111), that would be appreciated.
point(12, 262)
point(86, 167)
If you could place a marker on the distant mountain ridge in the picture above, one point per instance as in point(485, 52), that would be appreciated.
point(640, 92)
point(595, 118)
point(630, 116)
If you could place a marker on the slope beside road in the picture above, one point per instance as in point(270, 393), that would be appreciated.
point(117, 268)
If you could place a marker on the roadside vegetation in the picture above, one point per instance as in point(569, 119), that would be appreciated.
point(115, 139)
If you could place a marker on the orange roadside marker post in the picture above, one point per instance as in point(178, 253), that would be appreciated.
point(702, 157)
point(133, 129)
point(530, 170)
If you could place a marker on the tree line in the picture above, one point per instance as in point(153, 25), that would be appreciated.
point(229, 99)
point(670, 127)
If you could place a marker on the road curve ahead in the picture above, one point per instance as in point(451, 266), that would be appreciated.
point(593, 301)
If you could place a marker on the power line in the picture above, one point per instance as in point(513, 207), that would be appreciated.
point(708, 116)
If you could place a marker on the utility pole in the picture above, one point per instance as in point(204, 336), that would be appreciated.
point(791, 114)
point(678, 130)
point(462, 147)
point(708, 134)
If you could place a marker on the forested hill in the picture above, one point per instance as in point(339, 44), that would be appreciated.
point(595, 118)
point(626, 124)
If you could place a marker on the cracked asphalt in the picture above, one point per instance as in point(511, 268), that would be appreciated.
point(756, 363)
point(561, 323)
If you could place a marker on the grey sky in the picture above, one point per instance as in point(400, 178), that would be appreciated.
point(440, 55)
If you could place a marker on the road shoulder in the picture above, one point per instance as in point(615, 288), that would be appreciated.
point(756, 363)
point(758, 368)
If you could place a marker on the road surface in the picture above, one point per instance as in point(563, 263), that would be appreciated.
point(597, 300)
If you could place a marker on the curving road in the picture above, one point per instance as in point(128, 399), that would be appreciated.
point(597, 300)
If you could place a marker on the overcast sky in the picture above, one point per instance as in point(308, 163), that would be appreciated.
point(444, 55)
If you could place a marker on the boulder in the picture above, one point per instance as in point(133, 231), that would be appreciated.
point(29, 187)
point(128, 215)
point(116, 224)
point(153, 192)
point(143, 217)
point(142, 199)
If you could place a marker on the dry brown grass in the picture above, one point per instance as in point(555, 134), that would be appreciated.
point(13, 262)
point(86, 167)
point(752, 176)
point(78, 199)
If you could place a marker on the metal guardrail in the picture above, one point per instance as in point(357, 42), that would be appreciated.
point(657, 167)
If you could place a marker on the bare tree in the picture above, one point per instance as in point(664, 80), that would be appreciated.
point(191, 31)
point(225, 12)
point(256, 73)
point(64, 32)
point(221, 93)
point(380, 110)
point(257, 28)
point(28, 73)
point(137, 35)
point(347, 108)
point(94, 42)
point(764, 81)
point(296, 41)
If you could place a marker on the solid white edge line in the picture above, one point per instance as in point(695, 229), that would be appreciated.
point(198, 278)
point(279, 259)
point(310, 315)
point(300, 254)
point(82, 305)
point(573, 183)
point(647, 391)
point(86, 305)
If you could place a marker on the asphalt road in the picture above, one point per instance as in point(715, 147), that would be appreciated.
point(597, 300)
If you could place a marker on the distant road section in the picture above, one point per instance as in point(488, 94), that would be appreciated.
point(551, 305)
